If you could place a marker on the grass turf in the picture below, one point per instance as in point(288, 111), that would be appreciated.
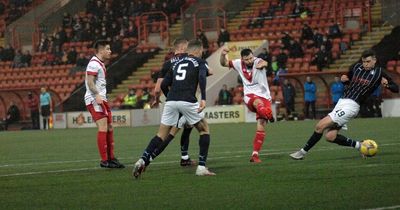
point(58, 169)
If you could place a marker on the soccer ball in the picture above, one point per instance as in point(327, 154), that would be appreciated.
point(369, 148)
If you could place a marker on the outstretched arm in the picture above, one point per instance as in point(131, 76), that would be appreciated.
point(388, 83)
point(224, 58)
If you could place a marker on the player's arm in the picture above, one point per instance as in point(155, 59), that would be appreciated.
point(203, 69)
point(388, 83)
point(92, 87)
point(166, 83)
point(224, 58)
point(261, 64)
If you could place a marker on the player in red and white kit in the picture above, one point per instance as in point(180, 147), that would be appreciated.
point(256, 92)
point(96, 103)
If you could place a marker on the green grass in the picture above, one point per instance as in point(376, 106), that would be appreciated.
point(58, 169)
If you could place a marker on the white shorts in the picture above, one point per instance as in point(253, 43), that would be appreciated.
point(182, 121)
point(175, 110)
point(344, 110)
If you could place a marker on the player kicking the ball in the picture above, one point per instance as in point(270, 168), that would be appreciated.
point(256, 92)
point(96, 103)
point(362, 79)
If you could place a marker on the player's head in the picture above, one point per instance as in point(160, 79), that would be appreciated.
point(247, 57)
point(368, 59)
point(195, 47)
point(180, 45)
point(103, 49)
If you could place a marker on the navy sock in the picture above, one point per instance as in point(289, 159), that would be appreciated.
point(162, 146)
point(204, 143)
point(312, 141)
point(185, 141)
point(153, 144)
point(344, 141)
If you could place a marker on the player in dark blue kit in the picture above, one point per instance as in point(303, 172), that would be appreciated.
point(180, 46)
point(180, 86)
point(362, 79)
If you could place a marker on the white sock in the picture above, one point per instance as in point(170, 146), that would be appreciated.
point(358, 145)
point(303, 151)
point(185, 157)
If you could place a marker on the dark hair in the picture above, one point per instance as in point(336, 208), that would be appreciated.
point(179, 41)
point(100, 43)
point(245, 52)
point(194, 44)
point(368, 53)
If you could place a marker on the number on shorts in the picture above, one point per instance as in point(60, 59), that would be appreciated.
point(340, 113)
point(181, 72)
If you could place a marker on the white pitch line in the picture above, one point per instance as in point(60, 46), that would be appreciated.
point(173, 162)
point(386, 207)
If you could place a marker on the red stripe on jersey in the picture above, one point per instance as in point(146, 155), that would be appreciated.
point(230, 64)
point(248, 75)
point(91, 73)
point(101, 64)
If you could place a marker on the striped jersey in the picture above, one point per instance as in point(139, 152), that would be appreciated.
point(96, 68)
point(362, 82)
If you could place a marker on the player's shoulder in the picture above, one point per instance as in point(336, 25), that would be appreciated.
point(95, 62)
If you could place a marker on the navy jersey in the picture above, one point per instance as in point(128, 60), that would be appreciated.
point(362, 82)
point(167, 66)
point(187, 74)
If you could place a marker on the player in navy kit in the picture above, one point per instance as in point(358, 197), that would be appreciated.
point(362, 79)
point(180, 86)
point(180, 46)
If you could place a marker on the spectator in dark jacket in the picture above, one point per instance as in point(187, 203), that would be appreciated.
point(224, 96)
point(12, 115)
point(289, 93)
point(223, 37)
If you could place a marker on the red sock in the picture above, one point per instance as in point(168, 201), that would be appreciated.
point(102, 144)
point(258, 141)
point(263, 111)
point(110, 144)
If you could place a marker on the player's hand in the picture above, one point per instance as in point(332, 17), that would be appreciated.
point(202, 106)
point(99, 100)
point(384, 82)
point(261, 64)
point(155, 103)
point(344, 78)
point(225, 51)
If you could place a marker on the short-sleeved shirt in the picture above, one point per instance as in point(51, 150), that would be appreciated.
point(45, 99)
point(184, 78)
point(254, 80)
point(96, 68)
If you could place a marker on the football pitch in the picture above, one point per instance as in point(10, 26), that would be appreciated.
point(58, 169)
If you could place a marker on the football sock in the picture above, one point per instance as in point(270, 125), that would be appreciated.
point(162, 146)
point(312, 141)
point(344, 141)
point(153, 144)
point(258, 141)
point(102, 144)
point(110, 145)
point(204, 143)
point(185, 141)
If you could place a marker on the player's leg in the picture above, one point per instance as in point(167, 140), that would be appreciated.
point(164, 144)
point(263, 108)
point(258, 140)
point(185, 137)
point(102, 141)
point(323, 124)
point(332, 136)
point(204, 143)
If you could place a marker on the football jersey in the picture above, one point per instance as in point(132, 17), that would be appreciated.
point(96, 68)
point(254, 80)
point(167, 66)
point(184, 78)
